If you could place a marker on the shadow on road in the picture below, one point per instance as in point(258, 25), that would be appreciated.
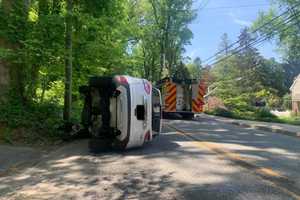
point(160, 170)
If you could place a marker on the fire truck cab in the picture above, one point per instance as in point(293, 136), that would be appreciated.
point(183, 98)
point(120, 112)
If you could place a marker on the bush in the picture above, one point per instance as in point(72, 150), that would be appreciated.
point(32, 122)
point(241, 103)
point(287, 102)
point(263, 113)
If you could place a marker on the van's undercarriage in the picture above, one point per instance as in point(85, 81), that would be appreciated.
point(96, 114)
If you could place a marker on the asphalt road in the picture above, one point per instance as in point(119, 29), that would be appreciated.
point(194, 160)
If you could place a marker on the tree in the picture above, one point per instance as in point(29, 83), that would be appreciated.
point(195, 68)
point(53, 46)
point(68, 62)
point(171, 19)
point(182, 72)
point(245, 77)
point(225, 45)
point(286, 34)
point(4, 65)
point(249, 60)
point(13, 53)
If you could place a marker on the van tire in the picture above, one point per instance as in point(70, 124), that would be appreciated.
point(98, 145)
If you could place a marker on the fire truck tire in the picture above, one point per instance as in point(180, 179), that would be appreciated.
point(188, 116)
point(98, 145)
point(170, 115)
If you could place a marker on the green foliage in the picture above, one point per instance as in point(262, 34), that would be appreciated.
point(258, 114)
point(195, 69)
point(109, 37)
point(181, 72)
point(287, 102)
point(246, 79)
point(54, 93)
point(294, 120)
point(264, 114)
point(286, 35)
point(241, 102)
point(164, 33)
point(34, 123)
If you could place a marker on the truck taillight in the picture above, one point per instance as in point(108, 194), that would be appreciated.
point(122, 80)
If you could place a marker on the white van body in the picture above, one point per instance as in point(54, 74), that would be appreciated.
point(128, 121)
point(134, 113)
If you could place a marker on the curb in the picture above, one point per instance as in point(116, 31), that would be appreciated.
point(264, 128)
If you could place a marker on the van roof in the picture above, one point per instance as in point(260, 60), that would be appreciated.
point(133, 80)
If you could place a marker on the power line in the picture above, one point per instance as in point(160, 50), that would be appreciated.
point(253, 67)
point(252, 32)
point(258, 41)
point(255, 42)
point(240, 6)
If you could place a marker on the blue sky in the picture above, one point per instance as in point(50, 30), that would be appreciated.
point(212, 21)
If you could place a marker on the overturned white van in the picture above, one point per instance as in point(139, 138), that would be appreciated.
point(120, 112)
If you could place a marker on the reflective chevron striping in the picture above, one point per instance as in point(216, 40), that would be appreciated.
point(171, 95)
point(170, 100)
point(198, 102)
point(173, 107)
point(196, 106)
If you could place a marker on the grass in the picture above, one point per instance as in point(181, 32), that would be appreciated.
point(257, 115)
point(290, 120)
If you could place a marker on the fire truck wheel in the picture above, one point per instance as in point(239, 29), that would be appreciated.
point(188, 116)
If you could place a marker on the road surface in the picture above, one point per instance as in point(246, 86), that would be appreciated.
point(202, 159)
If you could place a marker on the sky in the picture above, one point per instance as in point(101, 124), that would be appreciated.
point(216, 17)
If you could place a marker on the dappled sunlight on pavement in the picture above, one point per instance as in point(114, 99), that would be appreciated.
point(170, 167)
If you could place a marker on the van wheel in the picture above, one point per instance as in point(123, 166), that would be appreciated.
point(97, 145)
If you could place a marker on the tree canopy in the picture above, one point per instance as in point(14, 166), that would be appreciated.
point(50, 47)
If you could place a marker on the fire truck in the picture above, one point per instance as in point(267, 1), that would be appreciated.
point(182, 97)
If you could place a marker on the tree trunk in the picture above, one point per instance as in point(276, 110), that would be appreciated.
point(15, 72)
point(162, 58)
point(4, 65)
point(68, 63)
point(152, 67)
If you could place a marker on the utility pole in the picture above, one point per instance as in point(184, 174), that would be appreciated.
point(68, 63)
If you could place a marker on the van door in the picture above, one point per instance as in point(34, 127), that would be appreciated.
point(156, 111)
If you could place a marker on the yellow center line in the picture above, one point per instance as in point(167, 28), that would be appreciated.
point(266, 174)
